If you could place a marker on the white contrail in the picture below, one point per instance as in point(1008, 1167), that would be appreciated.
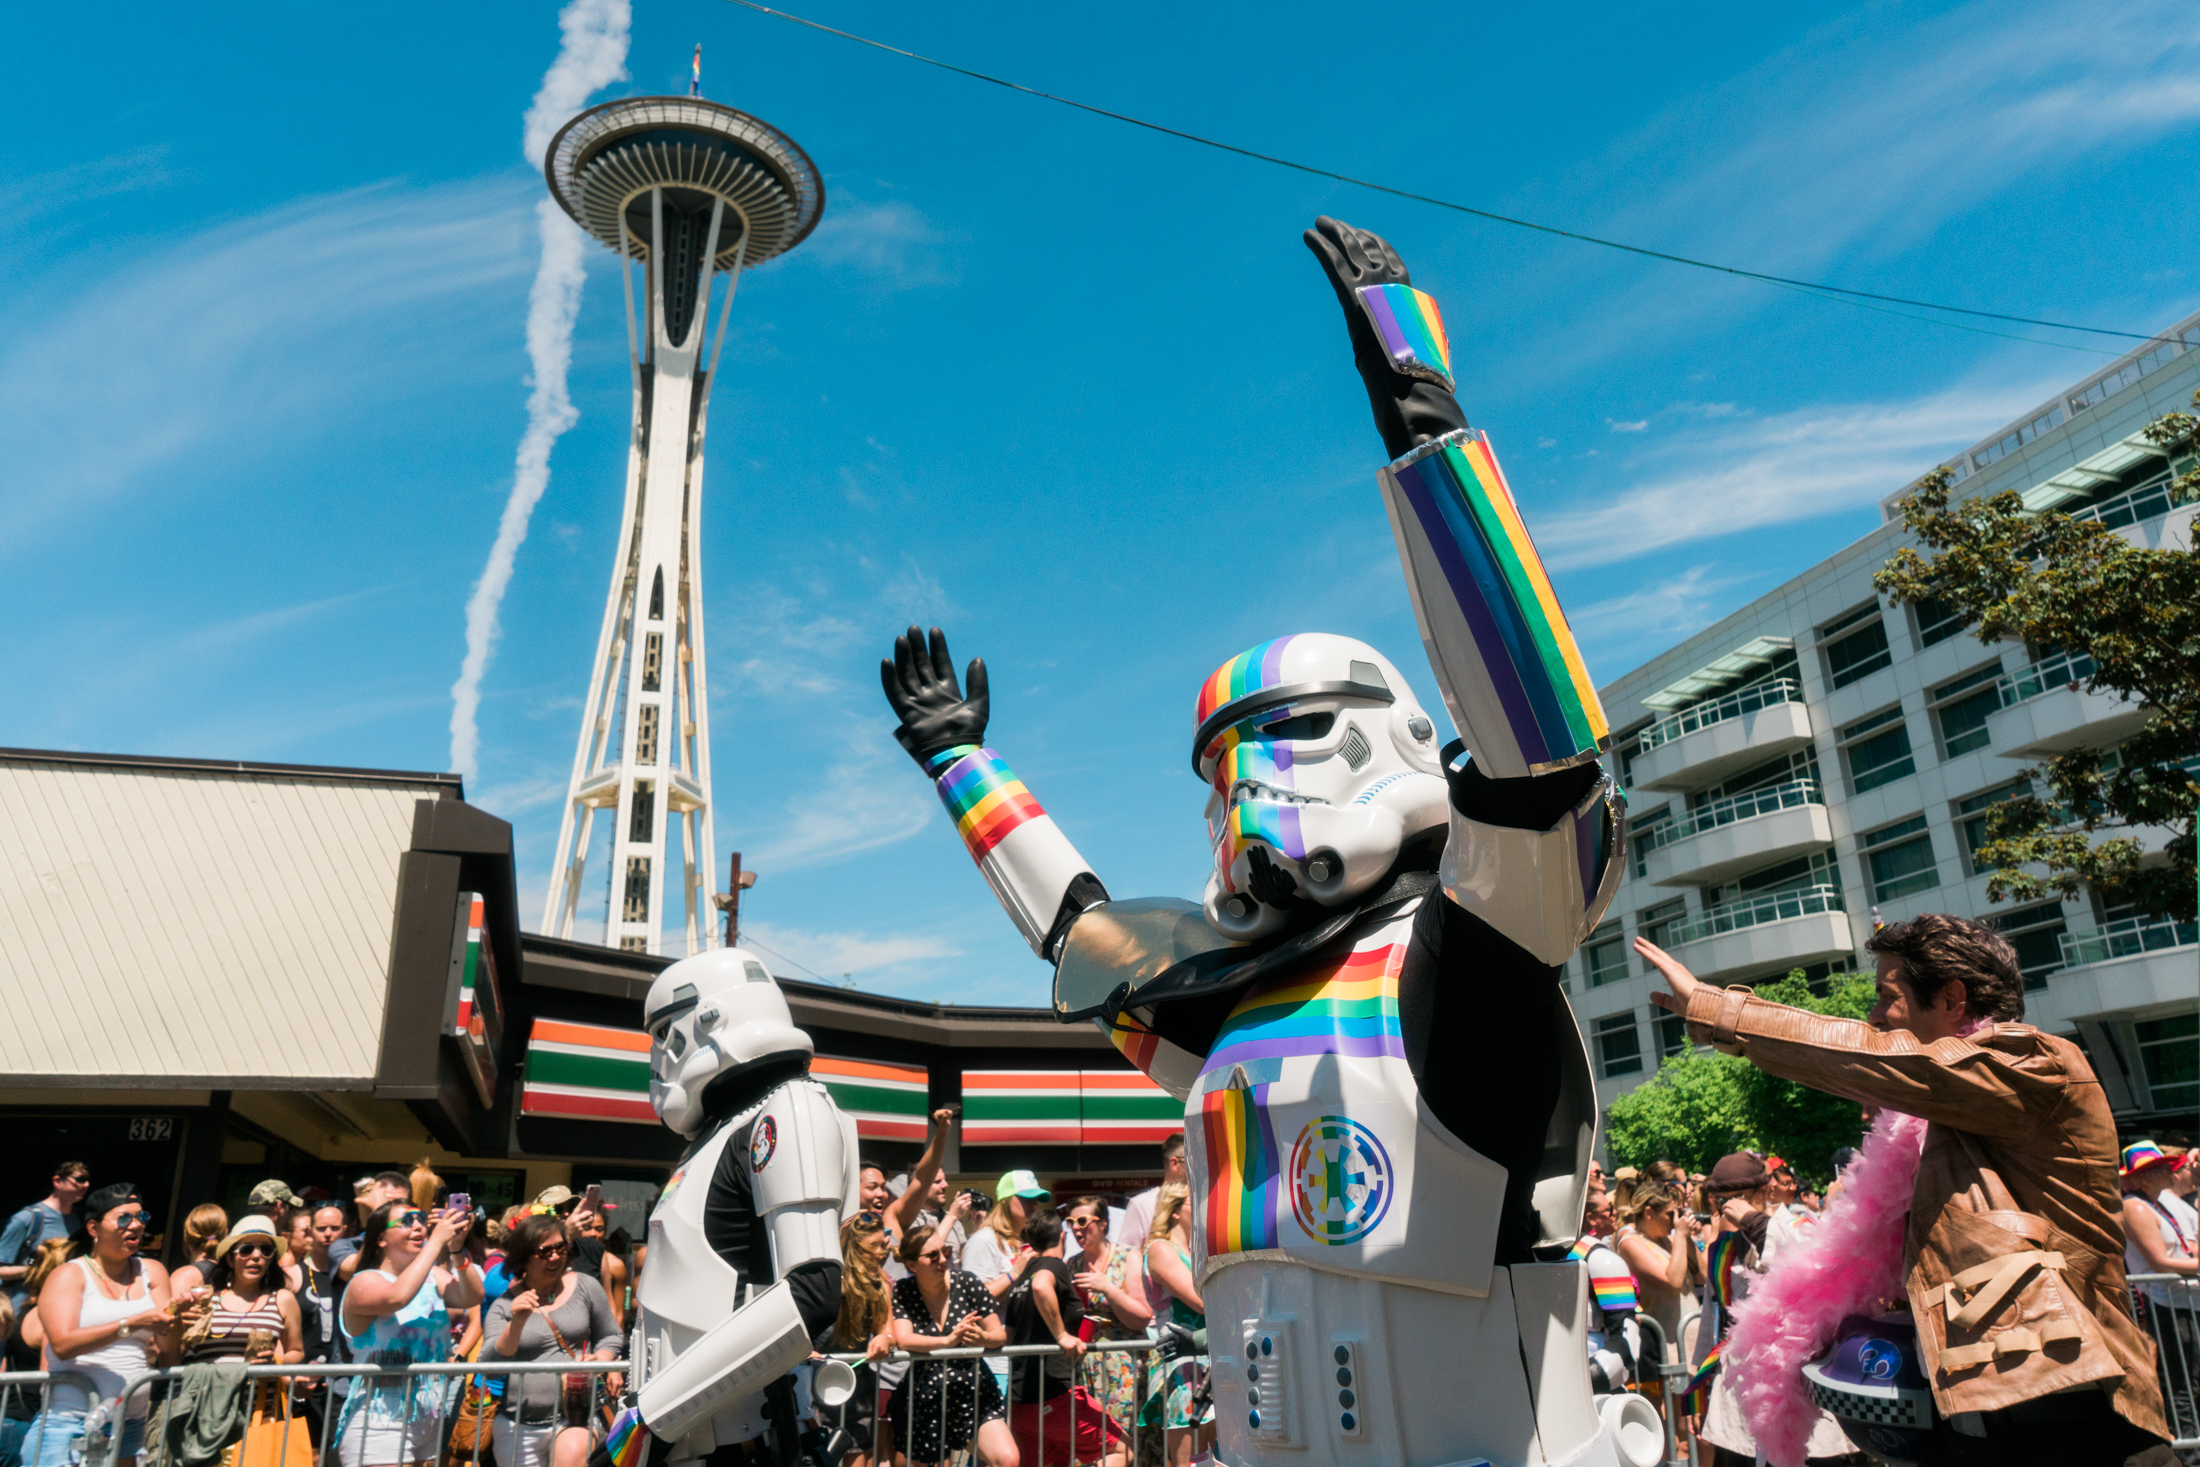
point(592, 55)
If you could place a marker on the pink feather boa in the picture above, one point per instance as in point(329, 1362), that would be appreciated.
point(1844, 1264)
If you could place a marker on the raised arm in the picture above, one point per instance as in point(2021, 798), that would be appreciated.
point(1039, 878)
point(1538, 832)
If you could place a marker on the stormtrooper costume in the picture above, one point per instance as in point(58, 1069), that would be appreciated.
point(1388, 1104)
point(744, 1243)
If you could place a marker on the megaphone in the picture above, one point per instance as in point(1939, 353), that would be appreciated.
point(833, 1384)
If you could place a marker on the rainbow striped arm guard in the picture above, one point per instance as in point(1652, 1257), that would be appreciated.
point(1020, 851)
point(1511, 674)
point(1411, 330)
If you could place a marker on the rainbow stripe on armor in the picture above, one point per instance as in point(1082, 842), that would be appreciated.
point(1614, 1292)
point(1244, 1170)
point(1466, 509)
point(1719, 1260)
point(983, 796)
point(1346, 1006)
point(1411, 329)
point(1248, 672)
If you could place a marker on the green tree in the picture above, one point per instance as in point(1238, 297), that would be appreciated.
point(1702, 1105)
point(2059, 583)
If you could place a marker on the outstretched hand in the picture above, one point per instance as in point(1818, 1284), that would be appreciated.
point(920, 684)
point(1407, 412)
point(1682, 982)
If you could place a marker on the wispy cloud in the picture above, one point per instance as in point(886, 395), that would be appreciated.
point(862, 955)
point(1640, 425)
point(1660, 613)
point(891, 246)
point(1744, 473)
point(868, 797)
point(271, 320)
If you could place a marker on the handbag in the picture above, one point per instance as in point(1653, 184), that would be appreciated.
point(273, 1438)
point(576, 1388)
point(472, 1424)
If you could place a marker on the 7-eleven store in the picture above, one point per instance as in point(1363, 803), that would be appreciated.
point(1055, 1098)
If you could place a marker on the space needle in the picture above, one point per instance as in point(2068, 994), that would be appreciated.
point(694, 191)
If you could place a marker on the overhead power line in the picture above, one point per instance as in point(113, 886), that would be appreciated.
point(1840, 293)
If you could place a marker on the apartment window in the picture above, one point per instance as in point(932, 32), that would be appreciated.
point(1855, 646)
point(2036, 933)
point(1799, 874)
point(1604, 957)
point(1619, 1045)
point(2169, 1049)
point(1877, 750)
point(1898, 860)
point(1655, 923)
point(1639, 833)
point(1672, 1035)
point(1962, 707)
point(1937, 621)
point(1971, 818)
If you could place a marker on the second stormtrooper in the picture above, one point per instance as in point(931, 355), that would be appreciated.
point(744, 1243)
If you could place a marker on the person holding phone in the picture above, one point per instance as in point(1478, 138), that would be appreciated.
point(413, 1273)
point(948, 1404)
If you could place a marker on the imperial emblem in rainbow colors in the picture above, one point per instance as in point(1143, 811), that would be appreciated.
point(1340, 1180)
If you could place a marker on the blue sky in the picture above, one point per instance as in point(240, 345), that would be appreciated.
point(1072, 390)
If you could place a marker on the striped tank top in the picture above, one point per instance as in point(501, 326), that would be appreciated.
point(229, 1328)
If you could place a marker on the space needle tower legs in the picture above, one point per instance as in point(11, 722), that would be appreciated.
point(692, 190)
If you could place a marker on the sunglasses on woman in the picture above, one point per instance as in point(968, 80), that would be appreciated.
point(129, 1219)
point(558, 1252)
point(411, 1219)
point(254, 1250)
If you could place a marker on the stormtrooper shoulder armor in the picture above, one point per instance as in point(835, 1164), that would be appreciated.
point(1543, 889)
point(798, 1167)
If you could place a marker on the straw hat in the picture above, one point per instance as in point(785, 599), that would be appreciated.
point(247, 1228)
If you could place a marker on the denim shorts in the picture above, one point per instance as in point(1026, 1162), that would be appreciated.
point(56, 1439)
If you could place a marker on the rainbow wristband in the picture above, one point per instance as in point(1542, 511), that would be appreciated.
point(983, 796)
point(1411, 330)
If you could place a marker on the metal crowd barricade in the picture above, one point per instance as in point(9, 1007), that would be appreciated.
point(1651, 1361)
point(435, 1392)
point(24, 1391)
point(2167, 1305)
point(941, 1453)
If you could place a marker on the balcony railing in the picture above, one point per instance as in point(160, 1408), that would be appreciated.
point(2051, 675)
point(1787, 796)
point(1773, 906)
point(1719, 710)
point(2125, 939)
point(2141, 502)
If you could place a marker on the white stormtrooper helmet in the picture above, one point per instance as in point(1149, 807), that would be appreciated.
point(1321, 765)
point(709, 1016)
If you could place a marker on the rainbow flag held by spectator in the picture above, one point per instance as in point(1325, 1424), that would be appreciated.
point(1697, 1395)
point(1725, 1252)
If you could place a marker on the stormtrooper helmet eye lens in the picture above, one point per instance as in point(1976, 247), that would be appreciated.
point(1307, 726)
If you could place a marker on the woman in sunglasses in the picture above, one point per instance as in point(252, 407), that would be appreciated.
point(953, 1403)
point(413, 1275)
point(105, 1320)
point(250, 1300)
point(553, 1312)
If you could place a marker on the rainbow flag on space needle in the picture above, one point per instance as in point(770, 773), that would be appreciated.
point(695, 75)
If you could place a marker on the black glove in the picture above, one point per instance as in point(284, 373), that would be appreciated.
point(933, 712)
point(1408, 413)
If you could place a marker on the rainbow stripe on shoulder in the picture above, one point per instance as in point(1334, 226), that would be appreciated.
point(983, 796)
point(1466, 509)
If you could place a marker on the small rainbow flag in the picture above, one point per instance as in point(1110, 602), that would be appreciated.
point(1725, 1252)
point(983, 796)
point(1614, 1291)
point(1244, 1170)
point(695, 77)
point(628, 1439)
point(1411, 330)
point(1698, 1391)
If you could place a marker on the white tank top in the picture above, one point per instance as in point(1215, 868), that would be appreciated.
point(113, 1363)
point(2174, 1243)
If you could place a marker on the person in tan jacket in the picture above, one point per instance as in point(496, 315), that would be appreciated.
point(2014, 1255)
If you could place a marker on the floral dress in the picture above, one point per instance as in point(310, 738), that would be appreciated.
point(1112, 1375)
point(1171, 1384)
